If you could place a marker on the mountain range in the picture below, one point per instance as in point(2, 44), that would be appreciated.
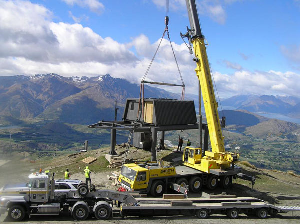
point(285, 105)
point(68, 99)
point(48, 113)
point(86, 100)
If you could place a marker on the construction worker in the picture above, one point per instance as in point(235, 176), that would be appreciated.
point(47, 172)
point(67, 174)
point(188, 143)
point(87, 174)
point(180, 142)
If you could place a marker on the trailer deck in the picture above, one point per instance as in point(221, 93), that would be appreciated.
point(203, 207)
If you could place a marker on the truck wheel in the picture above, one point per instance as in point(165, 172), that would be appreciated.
point(83, 190)
point(212, 182)
point(182, 182)
point(195, 184)
point(157, 188)
point(202, 214)
point(233, 213)
point(262, 213)
point(102, 212)
point(226, 181)
point(80, 212)
point(16, 212)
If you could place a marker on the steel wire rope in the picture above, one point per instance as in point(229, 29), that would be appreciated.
point(183, 85)
point(149, 66)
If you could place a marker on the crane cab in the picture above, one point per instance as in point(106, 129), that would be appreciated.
point(192, 155)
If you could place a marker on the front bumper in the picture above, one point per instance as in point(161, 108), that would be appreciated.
point(3, 209)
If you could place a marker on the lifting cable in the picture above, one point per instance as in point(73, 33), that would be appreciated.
point(141, 97)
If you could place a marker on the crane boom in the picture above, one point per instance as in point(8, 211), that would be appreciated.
point(217, 158)
point(204, 76)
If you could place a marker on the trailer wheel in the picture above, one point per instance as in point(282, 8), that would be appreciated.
point(212, 182)
point(202, 214)
point(262, 213)
point(226, 181)
point(182, 182)
point(157, 188)
point(102, 212)
point(83, 190)
point(16, 212)
point(195, 184)
point(80, 211)
point(233, 213)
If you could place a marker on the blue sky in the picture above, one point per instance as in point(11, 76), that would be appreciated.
point(253, 45)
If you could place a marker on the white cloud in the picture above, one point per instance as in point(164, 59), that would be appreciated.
point(26, 31)
point(24, 26)
point(244, 56)
point(174, 5)
point(212, 8)
point(81, 44)
point(269, 83)
point(232, 65)
point(93, 5)
point(292, 54)
point(31, 43)
point(78, 19)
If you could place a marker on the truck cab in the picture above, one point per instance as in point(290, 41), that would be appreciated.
point(39, 188)
point(138, 177)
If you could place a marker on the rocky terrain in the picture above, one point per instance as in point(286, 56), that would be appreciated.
point(275, 187)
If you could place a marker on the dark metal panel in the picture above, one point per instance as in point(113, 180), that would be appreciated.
point(131, 109)
point(174, 112)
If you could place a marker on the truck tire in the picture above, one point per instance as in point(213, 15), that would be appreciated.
point(102, 211)
point(157, 188)
point(16, 213)
point(202, 213)
point(232, 213)
point(80, 211)
point(212, 182)
point(226, 181)
point(182, 182)
point(83, 190)
point(195, 184)
point(262, 213)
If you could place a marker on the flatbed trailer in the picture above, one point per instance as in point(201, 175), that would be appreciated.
point(204, 207)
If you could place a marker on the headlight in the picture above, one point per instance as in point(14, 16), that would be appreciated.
point(2, 201)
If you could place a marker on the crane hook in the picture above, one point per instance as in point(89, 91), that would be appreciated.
point(167, 22)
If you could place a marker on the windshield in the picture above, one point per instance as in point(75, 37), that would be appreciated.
point(127, 172)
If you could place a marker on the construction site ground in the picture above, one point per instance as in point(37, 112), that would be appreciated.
point(275, 187)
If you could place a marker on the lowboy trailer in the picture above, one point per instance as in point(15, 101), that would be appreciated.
point(39, 197)
point(204, 207)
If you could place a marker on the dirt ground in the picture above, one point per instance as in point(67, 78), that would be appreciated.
point(284, 191)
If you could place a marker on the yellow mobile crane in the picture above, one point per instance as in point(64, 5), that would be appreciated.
point(198, 169)
point(217, 158)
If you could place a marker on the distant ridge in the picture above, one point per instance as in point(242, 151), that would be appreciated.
point(81, 100)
